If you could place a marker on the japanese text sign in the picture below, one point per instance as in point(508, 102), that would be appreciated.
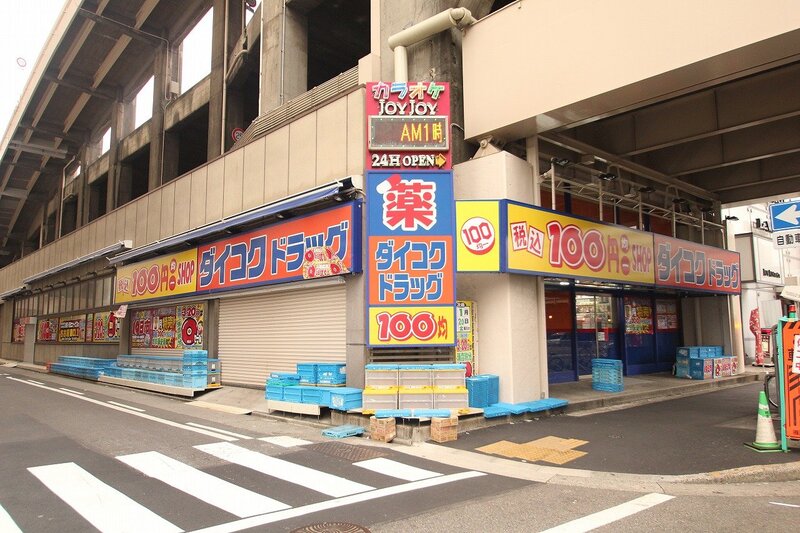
point(543, 241)
point(314, 246)
point(478, 236)
point(408, 125)
point(72, 329)
point(689, 265)
point(166, 275)
point(105, 327)
point(411, 274)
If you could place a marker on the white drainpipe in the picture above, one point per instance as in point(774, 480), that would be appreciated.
point(458, 17)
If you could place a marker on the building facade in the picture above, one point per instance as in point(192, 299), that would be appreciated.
point(237, 217)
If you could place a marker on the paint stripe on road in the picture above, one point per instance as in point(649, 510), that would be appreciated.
point(126, 406)
point(34, 381)
point(7, 524)
point(71, 391)
point(205, 432)
point(217, 430)
point(785, 504)
point(255, 521)
point(103, 506)
point(602, 518)
point(387, 467)
point(231, 498)
point(285, 441)
point(272, 466)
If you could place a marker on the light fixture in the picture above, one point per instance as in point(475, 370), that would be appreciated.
point(647, 189)
point(732, 218)
point(631, 193)
point(560, 161)
point(563, 282)
point(607, 176)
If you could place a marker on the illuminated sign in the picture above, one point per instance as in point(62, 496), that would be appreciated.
point(408, 125)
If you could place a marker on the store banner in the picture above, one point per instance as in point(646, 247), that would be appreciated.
point(479, 245)
point(540, 241)
point(466, 325)
point(319, 245)
point(72, 329)
point(189, 326)
point(688, 265)
point(166, 275)
point(153, 328)
point(408, 125)
point(18, 331)
point(47, 330)
point(411, 262)
point(105, 327)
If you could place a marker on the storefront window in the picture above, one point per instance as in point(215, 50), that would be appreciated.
point(597, 332)
point(639, 342)
point(558, 307)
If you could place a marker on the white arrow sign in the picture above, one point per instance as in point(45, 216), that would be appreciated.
point(789, 215)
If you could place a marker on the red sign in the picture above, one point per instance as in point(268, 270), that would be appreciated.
point(688, 265)
point(314, 246)
point(408, 125)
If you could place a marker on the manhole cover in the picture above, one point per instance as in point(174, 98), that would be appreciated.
point(332, 527)
point(346, 451)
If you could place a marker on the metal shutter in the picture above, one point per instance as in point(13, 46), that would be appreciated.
point(273, 332)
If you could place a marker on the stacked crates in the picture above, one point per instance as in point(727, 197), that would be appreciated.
point(449, 386)
point(478, 391)
point(328, 374)
point(82, 367)
point(703, 362)
point(192, 370)
point(607, 375)
point(381, 383)
point(415, 398)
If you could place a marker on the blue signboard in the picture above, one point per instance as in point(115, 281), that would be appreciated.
point(785, 216)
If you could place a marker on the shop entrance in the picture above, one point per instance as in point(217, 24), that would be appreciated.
point(597, 329)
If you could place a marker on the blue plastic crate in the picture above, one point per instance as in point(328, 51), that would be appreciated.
point(308, 373)
point(194, 355)
point(494, 387)
point(311, 395)
point(496, 410)
point(274, 393)
point(478, 389)
point(293, 393)
point(345, 398)
point(340, 432)
point(607, 375)
point(393, 413)
point(331, 373)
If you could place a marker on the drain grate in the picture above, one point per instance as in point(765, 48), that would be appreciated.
point(349, 452)
point(331, 527)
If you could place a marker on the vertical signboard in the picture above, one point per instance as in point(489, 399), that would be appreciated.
point(18, 331)
point(688, 265)
point(465, 335)
point(411, 274)
point(105, 327)
point(189, 326)
point(479, 232)
point(789, 361)
point(408, 125)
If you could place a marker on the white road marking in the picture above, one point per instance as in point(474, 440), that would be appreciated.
point(285, 442)
point(37, 382)
point(272, 466)
point(215, 491)
point(217, 430)
point(126, 406)
point(256, 521)
point(7, 524)
point(785, 504)
point(164, 421)
point(607, 516)
point(391, 468)
point(103, 506)
point(70, 391)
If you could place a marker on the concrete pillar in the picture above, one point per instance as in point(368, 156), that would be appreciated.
point(166, 63)
point(284, 55)
point(124, 183)
point(82, 189)
point(511, 331)
point(171, 156)
point(122, 120)
point(356, 334)
point(222, 43)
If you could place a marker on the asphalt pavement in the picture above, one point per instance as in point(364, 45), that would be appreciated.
point(688, 435)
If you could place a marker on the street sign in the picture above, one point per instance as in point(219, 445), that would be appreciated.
point(785, 216)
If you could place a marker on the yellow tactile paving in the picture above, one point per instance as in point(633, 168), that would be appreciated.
point(550, 449)
point(557, 443)
point(560, 458)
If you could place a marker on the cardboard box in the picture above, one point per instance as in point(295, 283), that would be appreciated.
point(444, 429)
point(701, 368)
point(382, 429)
point(722, 367)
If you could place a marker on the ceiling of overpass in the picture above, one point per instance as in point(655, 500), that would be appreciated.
point(736, 142)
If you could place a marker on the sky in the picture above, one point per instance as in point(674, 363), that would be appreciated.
point(25, 26)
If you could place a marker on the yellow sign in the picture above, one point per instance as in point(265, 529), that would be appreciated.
point(478, 239)
point(166, 275)
point(398, 326)
point(546, 242)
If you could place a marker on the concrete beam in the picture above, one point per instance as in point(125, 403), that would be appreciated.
point(84, 86)
point(124, 27)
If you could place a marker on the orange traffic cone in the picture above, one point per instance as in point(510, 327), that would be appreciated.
point(765, 431)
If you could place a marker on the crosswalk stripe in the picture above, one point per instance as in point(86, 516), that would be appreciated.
point(607, 516)
point(215, 491)
point(285, 442)
point(299, 475)
point(255, 521)
point(391, 468)
point(217, 430)
point(7, 524)
point(103, 506)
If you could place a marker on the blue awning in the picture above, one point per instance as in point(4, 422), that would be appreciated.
point(102, 252)
point(292, 202)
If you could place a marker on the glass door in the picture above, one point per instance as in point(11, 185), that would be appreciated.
point(596, 316)
point(640, 349)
